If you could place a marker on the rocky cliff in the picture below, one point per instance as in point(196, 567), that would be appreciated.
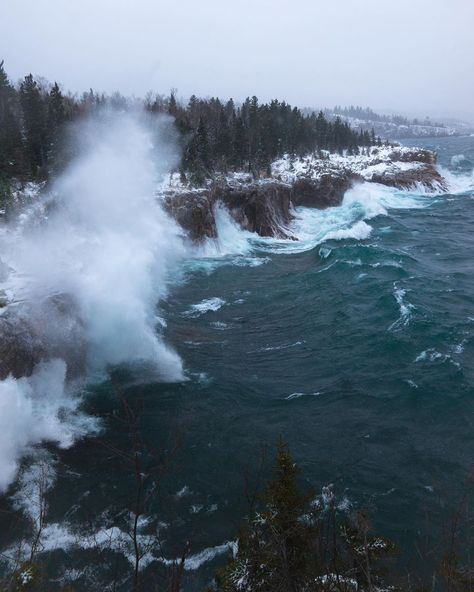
point(265, 206)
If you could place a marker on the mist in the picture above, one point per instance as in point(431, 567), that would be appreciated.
point(86, 267)
point(414, 58)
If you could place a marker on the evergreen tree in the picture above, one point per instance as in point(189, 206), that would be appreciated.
point(373, 139)
point(197, 155)
point(239, 143)
point(56, 120)
point(34, 118)
point(11, 145)
point(172, 104)
point(272, 545)
point(294, 545)
point(213, 135)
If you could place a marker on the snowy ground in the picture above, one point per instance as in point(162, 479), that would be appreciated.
point(374, 160)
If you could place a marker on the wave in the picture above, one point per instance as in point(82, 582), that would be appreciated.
point(406, 308)
point(102, 238)
point(99, 249)
point(312, 227)
point(34, 409)
point(459, 180)
point(299, 395)
point(460, 161)
point(431, 355)
point(280, 347)
point(233, 246)
point(207, 305)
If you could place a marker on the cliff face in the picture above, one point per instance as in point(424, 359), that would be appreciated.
point(323, 192)
point(262, 208)
point(265, 206)
point(194, 213)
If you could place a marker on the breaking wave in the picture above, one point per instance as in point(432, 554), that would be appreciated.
point(85, 269)
point(310, 228)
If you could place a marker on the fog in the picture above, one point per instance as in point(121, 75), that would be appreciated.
point(412, 57)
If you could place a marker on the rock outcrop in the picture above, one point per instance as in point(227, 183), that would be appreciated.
point(41, 331)
point(265, 206)
point(193, 210)
point(426, 176)
point(413, 155)
point(323, 192)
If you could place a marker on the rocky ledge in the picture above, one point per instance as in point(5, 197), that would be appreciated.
point(265, 206)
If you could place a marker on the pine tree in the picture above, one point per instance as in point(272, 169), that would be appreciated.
point(294, 545)
point(172, 104)
point(373, 139)
point(11, 146)
point(197, 160)
point(34, 118)
point(56, 120)
point(223, 140)
point(239, 142)
point(273, 544)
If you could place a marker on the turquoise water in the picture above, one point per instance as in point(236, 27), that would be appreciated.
point(359, 351)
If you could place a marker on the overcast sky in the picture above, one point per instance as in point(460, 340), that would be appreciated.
point(410, 56)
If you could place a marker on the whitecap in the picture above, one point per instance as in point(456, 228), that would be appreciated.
point(406, 309)
point(299, 395)
point(220, 325)
point(206, 305)
point(183, 492)
point(431, 355)
point(278, 347)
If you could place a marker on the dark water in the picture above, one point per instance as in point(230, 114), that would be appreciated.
point(359, 352)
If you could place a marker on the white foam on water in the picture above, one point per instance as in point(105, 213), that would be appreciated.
point(310, 228)
point(348, 221)
point(279, 347)
point(207, 305)
point(458, 182)
point(457, 159)
point(194, 562)
point(62, 536)
point(299, 395)
point(233, 246)
point(359, 231)
point(220, 326)
point(36, 409)
point(406, 308)
point(458, 348)
point(431, 355)
point(183, 492)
